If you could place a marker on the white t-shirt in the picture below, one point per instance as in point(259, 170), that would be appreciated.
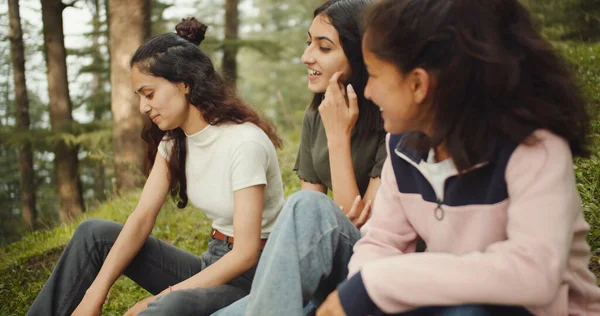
point(437, 172)
point(223, 159)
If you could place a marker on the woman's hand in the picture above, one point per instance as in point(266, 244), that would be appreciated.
point(356, 216)
point(332, 306)
point(140, 306)
point(338, 110)
point(89, 306)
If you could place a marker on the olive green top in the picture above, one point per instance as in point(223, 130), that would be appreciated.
point(312, 164)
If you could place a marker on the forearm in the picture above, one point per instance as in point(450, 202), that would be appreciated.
point(229, 267)
point(131, 239)
point(343, 179)
point(515, 275)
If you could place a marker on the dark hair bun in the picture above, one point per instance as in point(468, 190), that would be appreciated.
point(191, 29)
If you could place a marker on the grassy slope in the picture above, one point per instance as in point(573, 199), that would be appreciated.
point(28, 263)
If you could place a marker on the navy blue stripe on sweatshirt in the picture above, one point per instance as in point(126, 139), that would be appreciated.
point(354, 297)
point(484, 185)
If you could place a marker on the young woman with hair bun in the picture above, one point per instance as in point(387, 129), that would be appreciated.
point(205, 146)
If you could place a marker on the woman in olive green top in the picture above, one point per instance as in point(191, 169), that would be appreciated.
point(342, 149)
point(343, 142)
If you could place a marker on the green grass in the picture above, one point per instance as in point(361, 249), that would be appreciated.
point(27, 263)
point(586, 60)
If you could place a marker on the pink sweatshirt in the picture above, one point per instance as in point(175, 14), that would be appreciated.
point(510, 232)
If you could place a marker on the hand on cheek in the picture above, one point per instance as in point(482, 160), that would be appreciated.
point(339, 110)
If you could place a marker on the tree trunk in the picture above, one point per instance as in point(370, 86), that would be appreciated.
point(97, 92)
point(129, 26)
point(28, 207)
point(231, 36)
point(65, 160)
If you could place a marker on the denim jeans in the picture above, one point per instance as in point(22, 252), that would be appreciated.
point(157, 266)
point(305, 258)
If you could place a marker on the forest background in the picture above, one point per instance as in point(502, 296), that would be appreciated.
point(69, 126)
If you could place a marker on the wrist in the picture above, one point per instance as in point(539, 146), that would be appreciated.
point(339, 141)
point(166, 291)
point(96, 295)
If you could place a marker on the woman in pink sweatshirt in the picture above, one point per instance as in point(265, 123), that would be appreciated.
point(484, 120)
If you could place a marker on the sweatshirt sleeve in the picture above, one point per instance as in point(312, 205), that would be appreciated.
point(525, 270)
point(388, 232)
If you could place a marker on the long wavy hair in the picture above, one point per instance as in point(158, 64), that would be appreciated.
point(496, 78)
point(178, 59)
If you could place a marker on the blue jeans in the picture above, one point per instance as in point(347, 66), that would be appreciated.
point(157, 265)
point(305, 258)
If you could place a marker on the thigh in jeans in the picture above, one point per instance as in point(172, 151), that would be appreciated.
point(157, 265)
point(203, 301)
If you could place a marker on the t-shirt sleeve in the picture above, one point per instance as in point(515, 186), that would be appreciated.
point(249, 166)
point(304, 164)
point(379, 157)
point(164, 148)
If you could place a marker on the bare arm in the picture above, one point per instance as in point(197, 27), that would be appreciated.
point(135, 231)
point(345, 190)
point(343, 179)
point(374, 184)
point(339, 113)
point(247, 216)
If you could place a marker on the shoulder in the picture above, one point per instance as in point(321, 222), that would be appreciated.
point(311, 116)
point(246, 134)
point(544, 155)
point(541, 147)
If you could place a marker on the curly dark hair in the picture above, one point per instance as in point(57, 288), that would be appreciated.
point(178, 59)
point(496, 78)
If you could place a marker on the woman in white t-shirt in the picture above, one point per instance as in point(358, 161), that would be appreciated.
point(207, 147)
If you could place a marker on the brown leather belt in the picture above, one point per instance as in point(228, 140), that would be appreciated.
point(220, 236)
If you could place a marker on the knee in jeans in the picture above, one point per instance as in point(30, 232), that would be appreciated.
point(170, 301)
point(168, 304)
point(93, 227)
point(306, 195)
point(309, 206)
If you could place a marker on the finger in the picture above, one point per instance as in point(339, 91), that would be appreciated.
point(321, 310)
point(354, 209)
point(342, 88)
point(324, 309)
point(342, 208)
point(328, 91)
point(324, 105)
point(364, 214)
point(352, 100)
point(345, 94)
point(335, 89)
point(333, 81)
